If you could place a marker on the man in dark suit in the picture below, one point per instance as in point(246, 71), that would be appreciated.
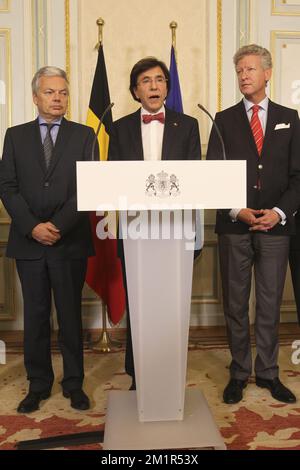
point(267, 136)
point(49, 239)
point(153, 132)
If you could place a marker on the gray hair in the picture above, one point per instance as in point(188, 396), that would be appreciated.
point(47, 72)
point(254, 49)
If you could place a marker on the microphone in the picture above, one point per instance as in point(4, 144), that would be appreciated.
point(107, 109)
point(217, 130)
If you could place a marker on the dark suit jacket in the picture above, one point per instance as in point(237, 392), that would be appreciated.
point(31, 194)
point(181, 140)
point(280, 159)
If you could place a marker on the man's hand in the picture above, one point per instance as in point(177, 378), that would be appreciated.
point(46, 234)
point(248, 216)
point(269, 218)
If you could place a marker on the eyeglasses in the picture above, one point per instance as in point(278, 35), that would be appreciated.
point(159, 80)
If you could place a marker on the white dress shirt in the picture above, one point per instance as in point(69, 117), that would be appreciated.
point(262, 113)
point(54, 130)
point(152, 136)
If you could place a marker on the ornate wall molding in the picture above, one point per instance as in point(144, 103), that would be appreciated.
point(286, 7)
point(219, 53)
point(244, 22)
point(207, 281)
point(5, 81)
point(39, 34)
point(68, 48)
point(7, 282)
point(4, 6)
point(244, 28)
point(285, 86)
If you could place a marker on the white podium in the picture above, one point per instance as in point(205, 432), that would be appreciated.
point(159, 251)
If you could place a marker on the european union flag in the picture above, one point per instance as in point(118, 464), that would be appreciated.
point(174, 100)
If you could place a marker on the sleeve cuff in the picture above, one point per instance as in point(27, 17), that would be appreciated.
point(233, 214)
point(281, 214)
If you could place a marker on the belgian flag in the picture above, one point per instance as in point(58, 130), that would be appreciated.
point(104, 272)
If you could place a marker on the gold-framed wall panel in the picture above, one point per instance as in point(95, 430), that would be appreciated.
point(219, 53)
point(91, 306)
point(206, 280)
point(6, 116)
point(4, 219)
point(283, 39)
point(7, 303)
point(4, 6)
point(41, 41)
point(39, 34)
point(287, 10)
point(68, 50)
point(244, 22)
point(89, 297)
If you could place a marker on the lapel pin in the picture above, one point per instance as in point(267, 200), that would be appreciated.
point(175, 124)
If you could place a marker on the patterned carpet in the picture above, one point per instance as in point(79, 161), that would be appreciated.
point(257, 422)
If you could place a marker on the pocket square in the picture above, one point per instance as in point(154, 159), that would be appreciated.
point(278, 127)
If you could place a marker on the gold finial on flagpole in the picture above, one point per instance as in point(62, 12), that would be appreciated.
point(100, 22)
point(173, 26)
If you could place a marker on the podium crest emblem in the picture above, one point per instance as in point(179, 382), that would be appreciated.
point(162, 185)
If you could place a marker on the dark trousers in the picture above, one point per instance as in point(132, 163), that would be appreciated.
point(269, 256)
point(65, 278)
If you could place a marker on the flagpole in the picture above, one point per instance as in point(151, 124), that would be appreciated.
point(104, 344)
point(174, 26)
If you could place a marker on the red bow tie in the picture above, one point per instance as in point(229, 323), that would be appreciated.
point(153, 117)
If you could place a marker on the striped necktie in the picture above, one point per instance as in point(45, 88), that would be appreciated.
point(256, 128)
point(48, 145)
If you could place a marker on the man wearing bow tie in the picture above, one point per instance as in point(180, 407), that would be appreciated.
point(267, 136)
point(49, 238)
point(153, 132)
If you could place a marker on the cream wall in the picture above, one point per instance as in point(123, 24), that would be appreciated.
point(135, 29)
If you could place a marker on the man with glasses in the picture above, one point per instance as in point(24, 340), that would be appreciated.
point(267, 136)
point(153, 132)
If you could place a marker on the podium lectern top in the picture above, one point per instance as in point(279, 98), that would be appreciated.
point(161, 185)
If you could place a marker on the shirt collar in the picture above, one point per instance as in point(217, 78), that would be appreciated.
point(264, 104)
point(43, 121)
point(161, 110)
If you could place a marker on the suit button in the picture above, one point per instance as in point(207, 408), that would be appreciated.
point(46, 185)
point(254, 187)
point(260, 167)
